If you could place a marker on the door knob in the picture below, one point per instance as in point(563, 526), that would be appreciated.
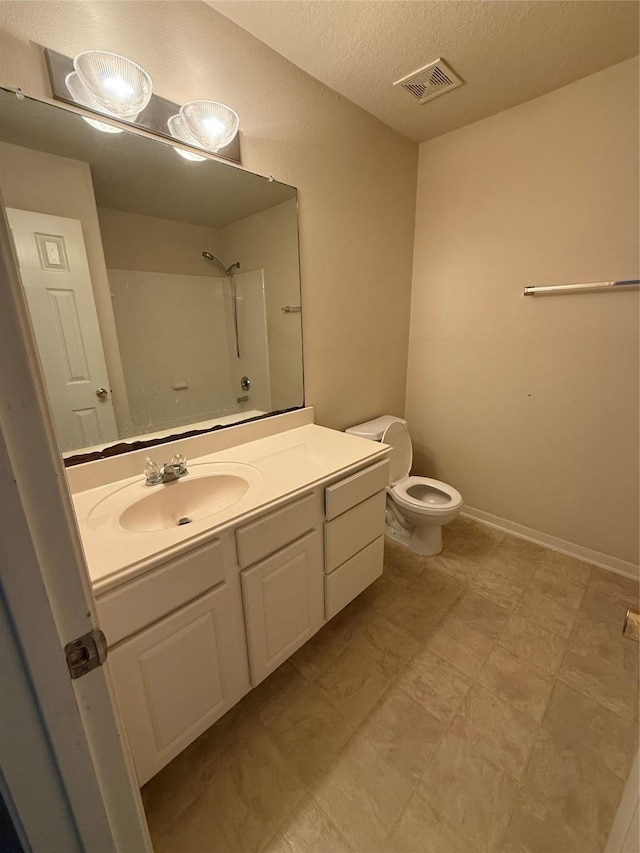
point(245, 383)
point(102, 393)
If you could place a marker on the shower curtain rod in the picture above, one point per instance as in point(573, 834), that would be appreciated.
point(592, 285)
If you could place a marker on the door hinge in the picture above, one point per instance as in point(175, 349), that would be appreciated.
point(86, 653)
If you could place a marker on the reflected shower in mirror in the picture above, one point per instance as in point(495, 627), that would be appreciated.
point(156, 285)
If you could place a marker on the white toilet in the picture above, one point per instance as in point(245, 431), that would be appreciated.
point(417, 507)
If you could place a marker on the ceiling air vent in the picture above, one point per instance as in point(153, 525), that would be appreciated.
point(426, 83)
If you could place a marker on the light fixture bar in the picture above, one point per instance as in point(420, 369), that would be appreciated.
point(153, 118)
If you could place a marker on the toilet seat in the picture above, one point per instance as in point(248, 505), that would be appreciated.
point(437, 498)
point(418, 494)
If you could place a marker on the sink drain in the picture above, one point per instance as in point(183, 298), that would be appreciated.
point(184, 520)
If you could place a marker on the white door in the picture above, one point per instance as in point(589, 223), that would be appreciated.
point(55, 274)
point(66, 776)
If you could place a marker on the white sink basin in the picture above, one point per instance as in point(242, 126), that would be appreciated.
point(206, 490)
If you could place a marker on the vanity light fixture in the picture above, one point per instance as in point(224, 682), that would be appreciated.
point(179, 131)
point(81, 95)
point(117, 84)
point(112, 85)
point(211, 124)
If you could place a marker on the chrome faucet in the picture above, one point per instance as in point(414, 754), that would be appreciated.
point(166, 472)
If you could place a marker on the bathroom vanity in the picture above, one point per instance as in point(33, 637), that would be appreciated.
point(196, 614)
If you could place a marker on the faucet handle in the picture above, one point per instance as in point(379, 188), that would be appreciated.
point(152, 472)
point(180, 462)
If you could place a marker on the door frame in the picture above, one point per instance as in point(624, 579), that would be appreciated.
point(67, 730)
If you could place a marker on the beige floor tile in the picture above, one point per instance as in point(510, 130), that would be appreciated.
point(562, 590)
point(214, 750)
point(401, 565)
point(459, 568)
point(516, 558)
point(584, 725)
point(308, 830)
point(434, 684)
point(319, 653)
point(519, 682)
point(569, 785)
point(386, 646)
point(273, 695)
point(547, 611)
point(617, 585)
point(362, 795)
point(464, 648)
point(469, 791)
point(599, 606)
point(533, 643)
point(497, 588)
point(564, 566)
point(480, 614)
point(310, 732)
point(243, 806)
point(412, 614)
point(169, 794)
point(503, 735)
point(533, 830)
point(601, 636)
point(597, 678)
point(402, 732)
point(353, 684)
point(468, 632)
point(436, 588)
point(381, 593)
point(347, 624)
point(421, 829)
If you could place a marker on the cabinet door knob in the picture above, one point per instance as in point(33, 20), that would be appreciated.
point(102, 393)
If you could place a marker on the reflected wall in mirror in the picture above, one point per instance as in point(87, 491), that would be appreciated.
point(140, 334)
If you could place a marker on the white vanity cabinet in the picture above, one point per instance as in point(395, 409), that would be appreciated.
point(354, 535)
point(283, 593)
point(189, 635)
point(175, 676)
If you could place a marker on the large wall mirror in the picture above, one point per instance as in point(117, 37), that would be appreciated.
point(164, 292)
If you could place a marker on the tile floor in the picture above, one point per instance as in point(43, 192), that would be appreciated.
point(481, 700)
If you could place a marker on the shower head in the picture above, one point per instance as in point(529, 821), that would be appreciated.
point(227, 270)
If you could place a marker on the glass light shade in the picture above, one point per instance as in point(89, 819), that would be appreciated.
point(212, 125)
point(179, 131)
point(118, 85)
point(80, 95)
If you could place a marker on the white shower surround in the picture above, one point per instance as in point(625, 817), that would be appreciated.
point(189, 338)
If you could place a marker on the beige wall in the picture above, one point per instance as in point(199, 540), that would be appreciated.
point(268, 241)
point(530, 405)
point(356, 177)
point(60, 186)
point(135, 242)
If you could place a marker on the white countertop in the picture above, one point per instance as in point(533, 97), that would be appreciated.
point(288, 463)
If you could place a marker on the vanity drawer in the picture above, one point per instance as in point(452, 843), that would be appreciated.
point(128, 609)
point(352, 577)
point(351, 531)
point(262, 537)
point(353, 490)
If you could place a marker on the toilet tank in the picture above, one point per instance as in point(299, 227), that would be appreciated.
point(374, 429)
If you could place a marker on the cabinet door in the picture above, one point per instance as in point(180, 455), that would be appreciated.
point(174, 679)
point(283, 603)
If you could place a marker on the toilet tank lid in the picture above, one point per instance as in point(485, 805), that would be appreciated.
point(375, 428)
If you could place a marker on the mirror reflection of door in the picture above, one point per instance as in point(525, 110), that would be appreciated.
point(55, 274)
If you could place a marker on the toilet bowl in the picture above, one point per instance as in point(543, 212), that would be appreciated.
point(417, 507)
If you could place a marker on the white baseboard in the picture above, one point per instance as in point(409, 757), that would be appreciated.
point(614, 564)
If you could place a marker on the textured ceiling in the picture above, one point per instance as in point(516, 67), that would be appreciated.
point(506, 52)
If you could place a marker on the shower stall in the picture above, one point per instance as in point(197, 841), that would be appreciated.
point(206, 352)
